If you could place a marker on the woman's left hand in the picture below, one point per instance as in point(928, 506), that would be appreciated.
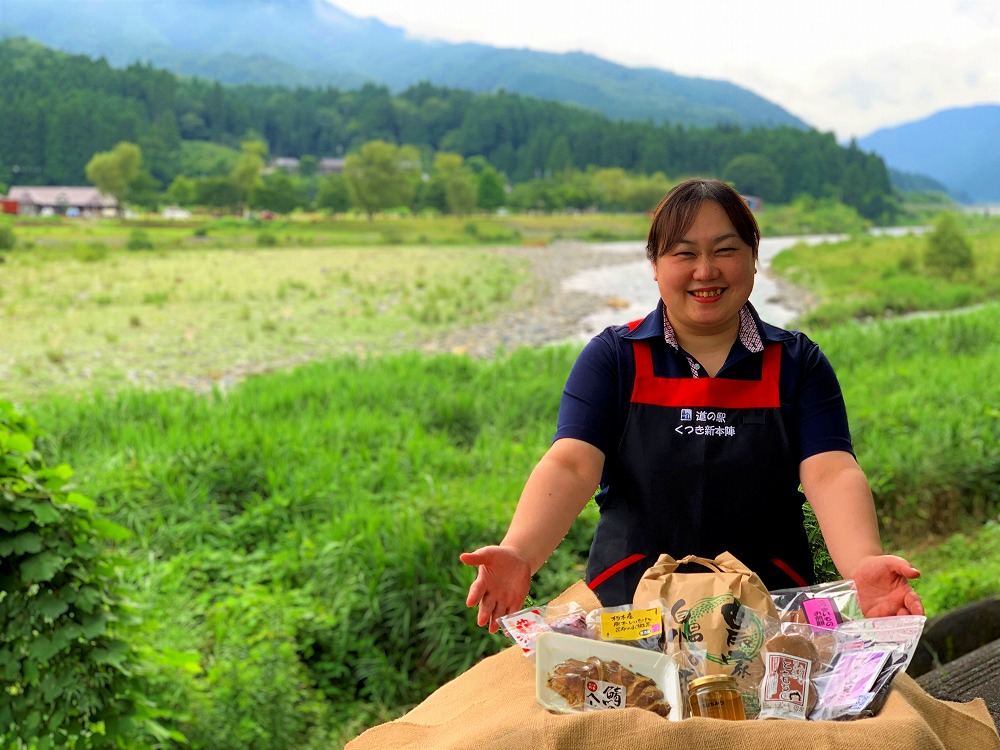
point(883, 583)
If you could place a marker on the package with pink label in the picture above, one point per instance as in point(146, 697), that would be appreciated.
point(824, 605)
point(793, 670)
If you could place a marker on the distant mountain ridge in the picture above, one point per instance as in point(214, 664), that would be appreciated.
point(959, 148)
point(312, 43)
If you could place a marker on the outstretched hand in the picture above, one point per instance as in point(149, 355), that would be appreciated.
point(883, 584)
point(501, 585)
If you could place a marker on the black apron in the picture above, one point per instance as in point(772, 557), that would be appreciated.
point(703, 467)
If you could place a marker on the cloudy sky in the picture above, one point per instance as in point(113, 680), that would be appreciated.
point(847, 66)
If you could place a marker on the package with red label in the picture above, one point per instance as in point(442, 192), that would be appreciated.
point(524, 626)
point(776, 665)
point(578, 675)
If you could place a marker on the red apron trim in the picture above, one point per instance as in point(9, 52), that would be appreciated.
point(791, 573)
point(719, 393)
point(618, 567)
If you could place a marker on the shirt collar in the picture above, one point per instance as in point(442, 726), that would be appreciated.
point(753, 332)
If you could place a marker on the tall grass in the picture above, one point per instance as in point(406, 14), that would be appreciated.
point(307, 524)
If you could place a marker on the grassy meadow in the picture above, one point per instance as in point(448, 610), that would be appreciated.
point(294, 538)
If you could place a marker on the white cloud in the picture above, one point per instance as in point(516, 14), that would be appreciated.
point(849, 66)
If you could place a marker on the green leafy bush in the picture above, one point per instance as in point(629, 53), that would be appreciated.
point(948, 252)
point(69, 677)
point(266, 239)
point(139, 240)
point(7, 237)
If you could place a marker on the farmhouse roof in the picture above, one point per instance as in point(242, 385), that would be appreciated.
point(55, 196)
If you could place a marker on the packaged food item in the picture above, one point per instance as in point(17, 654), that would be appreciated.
point(879, 646)
point(715, 697)
point(791, 662)
point(523, 627)
point(700, 608)
point(574, 674)
point(776, 665)
point(846, 689)
point(629, 624)
point(824, 605)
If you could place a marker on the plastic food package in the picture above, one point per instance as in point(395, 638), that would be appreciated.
point(793, 670)
point(777, 665)
point(629, 624)
point(824, 605)
point(574, 674)
point(870, 654)
point(523, 627)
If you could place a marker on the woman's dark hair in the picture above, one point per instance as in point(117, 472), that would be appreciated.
point(676, 213)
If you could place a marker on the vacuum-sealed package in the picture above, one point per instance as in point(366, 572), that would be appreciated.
point(824, 605)
point(632, 625)
point(523, 627)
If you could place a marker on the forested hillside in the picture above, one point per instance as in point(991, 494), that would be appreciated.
point(59, 110)
point(315, 43)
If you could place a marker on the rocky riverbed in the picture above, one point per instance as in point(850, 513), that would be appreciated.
point(578, 289)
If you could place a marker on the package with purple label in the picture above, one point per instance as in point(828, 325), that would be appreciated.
point(824, 606)
point(894, 637)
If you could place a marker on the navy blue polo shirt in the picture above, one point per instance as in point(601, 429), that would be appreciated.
point(596, 399)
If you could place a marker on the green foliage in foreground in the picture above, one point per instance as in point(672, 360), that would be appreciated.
point(301, 533)
point(71, 676)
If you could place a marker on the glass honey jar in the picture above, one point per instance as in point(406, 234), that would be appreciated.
point(715, 697)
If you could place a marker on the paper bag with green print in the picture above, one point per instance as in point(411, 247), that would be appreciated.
point(701, 610)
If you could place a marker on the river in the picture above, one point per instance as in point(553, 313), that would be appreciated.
point(631, 285)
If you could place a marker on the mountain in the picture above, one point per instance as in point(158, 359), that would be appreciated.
point(959, 148)
point(312, 43)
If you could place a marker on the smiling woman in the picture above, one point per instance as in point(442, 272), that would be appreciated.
point(685, 464)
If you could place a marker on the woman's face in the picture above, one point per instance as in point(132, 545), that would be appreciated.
point(707, 276)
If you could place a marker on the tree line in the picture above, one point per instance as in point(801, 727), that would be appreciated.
point(59, 110)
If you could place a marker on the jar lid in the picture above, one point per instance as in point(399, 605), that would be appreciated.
point(715, 680)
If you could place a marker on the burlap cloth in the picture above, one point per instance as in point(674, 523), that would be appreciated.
point(493, 705)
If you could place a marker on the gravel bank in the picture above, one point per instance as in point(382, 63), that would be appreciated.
point(579, 288)
point(547, 311)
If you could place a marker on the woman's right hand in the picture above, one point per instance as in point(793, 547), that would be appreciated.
point(501, 585)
